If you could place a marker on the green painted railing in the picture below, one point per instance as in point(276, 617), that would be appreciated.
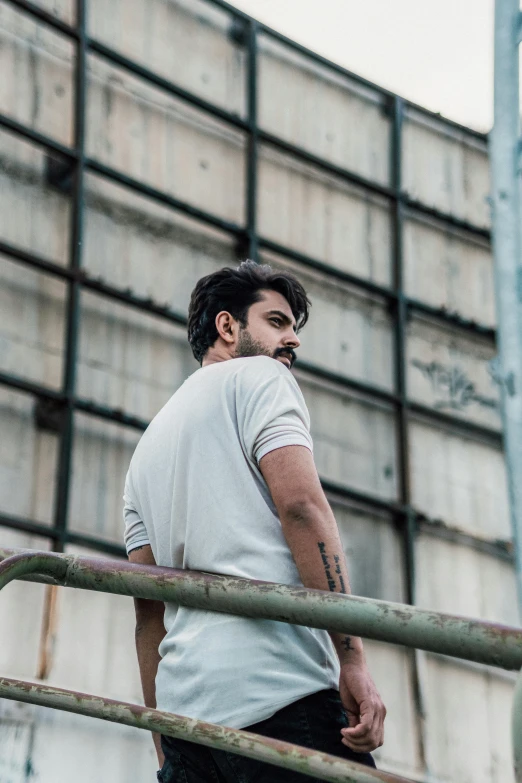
point(460, 637)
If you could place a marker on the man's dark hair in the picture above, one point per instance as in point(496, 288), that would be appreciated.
point(235, 290)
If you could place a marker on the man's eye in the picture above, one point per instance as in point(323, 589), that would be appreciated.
point(276, 321)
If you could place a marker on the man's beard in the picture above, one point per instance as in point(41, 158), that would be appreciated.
point(247, 346)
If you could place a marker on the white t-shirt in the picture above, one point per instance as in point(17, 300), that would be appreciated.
point(194, 492)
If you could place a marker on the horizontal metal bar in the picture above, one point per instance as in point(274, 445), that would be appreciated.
point(285, 755)
point(28, 526)
point(332, 271)
point(446, 217)
point(50, 20)
point(36, 262)
point(127, 296)
point(451, 318)
point(42, 530)
point(40, 139)
point(325, 165)
point(460, 637)
point(456, 424)
point(163, 198)
point(91, 542)
point(115, 415)
point(503, 550)
point(96, 409)
point(121, 61)
point(380, 504)
point(361, 387)
point(145, 304)
point(17, 383)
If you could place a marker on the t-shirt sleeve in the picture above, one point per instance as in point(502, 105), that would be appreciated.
point(135, 534)
point(273, 412)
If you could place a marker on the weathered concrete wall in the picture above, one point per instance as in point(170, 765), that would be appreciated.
point(446, 268)
point(445, 168)
point(133, 361)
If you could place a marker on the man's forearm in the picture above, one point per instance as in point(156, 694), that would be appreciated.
point(311, 532)
point(148, 639)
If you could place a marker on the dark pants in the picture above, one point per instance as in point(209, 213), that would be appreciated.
point(314, 722)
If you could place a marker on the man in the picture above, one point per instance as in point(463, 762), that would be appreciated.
point(224, 481)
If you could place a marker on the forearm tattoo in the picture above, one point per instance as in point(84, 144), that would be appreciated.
point(335, 582)
point(331, 574)
point(347, 643)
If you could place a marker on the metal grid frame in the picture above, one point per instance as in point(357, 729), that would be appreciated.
point(66, 402)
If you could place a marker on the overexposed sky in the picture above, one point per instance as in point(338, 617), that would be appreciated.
point(437, 53)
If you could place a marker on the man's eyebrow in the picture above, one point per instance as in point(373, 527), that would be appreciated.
point(283, 316)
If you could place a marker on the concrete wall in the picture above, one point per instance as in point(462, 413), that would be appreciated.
point(133, 361)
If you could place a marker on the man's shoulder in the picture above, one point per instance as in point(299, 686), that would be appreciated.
point(260, 363)
point(257, 369)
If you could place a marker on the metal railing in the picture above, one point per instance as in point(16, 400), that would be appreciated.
point(461, 637)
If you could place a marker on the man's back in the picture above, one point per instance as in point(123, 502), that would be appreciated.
point(195, 493)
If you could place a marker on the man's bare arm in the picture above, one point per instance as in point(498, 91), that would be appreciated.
point(311, 531)
point(150, 632)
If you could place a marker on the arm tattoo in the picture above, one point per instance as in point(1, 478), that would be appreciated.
point(347, 643)
point(326, 563)
point(137, 548)
point(332, 584)
point(338, 571)
point(330, 576)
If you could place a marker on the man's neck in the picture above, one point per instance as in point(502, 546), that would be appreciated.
point(214, 355)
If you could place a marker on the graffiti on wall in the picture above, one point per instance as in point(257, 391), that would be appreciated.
point(452, 386)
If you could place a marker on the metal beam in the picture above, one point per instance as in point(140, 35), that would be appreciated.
point(402, 624)
point(507, 247)
point(252, 238)
point(72, 318)
point(285, 755)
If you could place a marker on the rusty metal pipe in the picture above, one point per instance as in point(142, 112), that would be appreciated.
point(461, 637)
point(24, 563)
point(322, 766)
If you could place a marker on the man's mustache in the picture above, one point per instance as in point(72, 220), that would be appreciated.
point(288, 352)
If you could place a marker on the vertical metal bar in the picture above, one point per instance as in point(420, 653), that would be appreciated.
point(400, 319)
point(407, 518)
point(253, 143)
point(73, 297)
point(507, 246)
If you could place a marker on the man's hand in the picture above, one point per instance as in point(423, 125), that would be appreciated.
point(366, 712)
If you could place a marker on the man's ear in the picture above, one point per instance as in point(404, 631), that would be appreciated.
point(226, 326)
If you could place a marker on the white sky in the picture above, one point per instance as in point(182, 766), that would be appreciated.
point(437, 53)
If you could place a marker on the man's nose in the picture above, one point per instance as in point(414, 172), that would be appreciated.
point(292, 341)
